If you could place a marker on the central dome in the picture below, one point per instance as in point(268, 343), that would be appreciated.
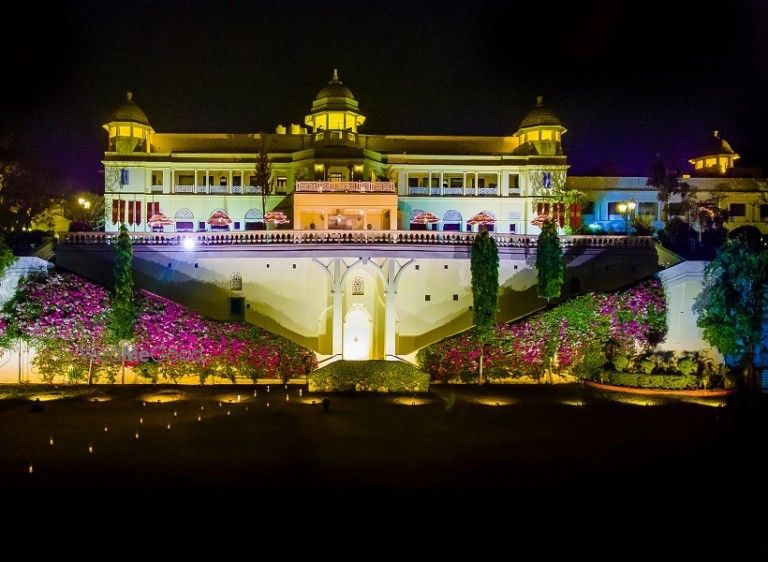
point(539, 116)
point(335, 89)
point(129, 111)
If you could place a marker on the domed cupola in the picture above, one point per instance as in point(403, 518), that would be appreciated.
point(128, 128)
point(540, 131)
point(717, 157)
point(335, 108)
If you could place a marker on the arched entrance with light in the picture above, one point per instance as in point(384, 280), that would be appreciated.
point(358, 334)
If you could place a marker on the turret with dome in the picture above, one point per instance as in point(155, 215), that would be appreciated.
point(716, 157)
point(335, 108)
point(128, 128)
point(540, 132)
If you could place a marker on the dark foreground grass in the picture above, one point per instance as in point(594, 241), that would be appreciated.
point(554, 451)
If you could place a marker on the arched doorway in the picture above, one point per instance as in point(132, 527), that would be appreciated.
point(358, 332)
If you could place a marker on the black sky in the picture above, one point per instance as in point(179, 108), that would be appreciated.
point(628, 79)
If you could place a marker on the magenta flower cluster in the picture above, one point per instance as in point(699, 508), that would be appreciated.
point(602, 324)
point(67, 311)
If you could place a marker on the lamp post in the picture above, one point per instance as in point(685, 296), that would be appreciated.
point(626, 208)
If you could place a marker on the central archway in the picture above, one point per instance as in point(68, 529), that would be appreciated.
point(358, 333)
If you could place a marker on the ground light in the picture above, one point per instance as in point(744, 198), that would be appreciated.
point(188, 243)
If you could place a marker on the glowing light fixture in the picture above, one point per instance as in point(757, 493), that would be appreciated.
point(188, 244)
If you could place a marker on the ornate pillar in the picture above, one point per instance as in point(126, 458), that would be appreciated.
point(338, 308)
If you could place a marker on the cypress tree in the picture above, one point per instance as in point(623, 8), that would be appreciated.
point(123, 314)
point(549, 261)
point(484, 266)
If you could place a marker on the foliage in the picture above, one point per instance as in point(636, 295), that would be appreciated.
point(484, 266)
point(6, 256)
point(668, 184)
point(64, 317)
point(643, 225)
point(368, 376)
point(263, 174)
point(677, 235)
point(549, 261)
point(123, 314)
point(93, 215)
point(640, 380)
point(24, 194)
point(733, 304)
point(577, 336)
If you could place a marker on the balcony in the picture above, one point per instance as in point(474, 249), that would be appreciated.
point(404, 237)
point(345, 187)
point(335, 137)
point(156, 189)
point(468, 191)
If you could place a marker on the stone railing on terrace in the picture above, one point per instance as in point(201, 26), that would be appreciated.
point(409, 237)
point(345, 187)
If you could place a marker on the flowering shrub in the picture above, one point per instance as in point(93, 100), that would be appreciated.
point(577, 336)
point(63, 316)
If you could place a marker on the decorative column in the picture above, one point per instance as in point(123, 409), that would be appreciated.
point(442, 189)
point(338, 308)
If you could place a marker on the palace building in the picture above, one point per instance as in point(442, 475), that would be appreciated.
point(359, 248)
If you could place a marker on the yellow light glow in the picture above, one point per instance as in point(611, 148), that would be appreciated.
point(635, 400)
point(492, 400)
point(232, 398)
point(406, 401)
point(164, 396)
point(622, 207)
point(714, 402)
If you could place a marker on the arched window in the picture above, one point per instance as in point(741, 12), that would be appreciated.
point(184, 214)
point(452, 220)
point(254, 220)
point(236, 282)
point(358, 286)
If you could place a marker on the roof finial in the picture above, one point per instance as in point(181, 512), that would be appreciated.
point(129, 96)
point(539, 101)
point(335, 75)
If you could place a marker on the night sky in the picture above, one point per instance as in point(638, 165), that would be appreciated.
point(628, 79)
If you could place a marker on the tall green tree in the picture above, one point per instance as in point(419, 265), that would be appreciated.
point(6, 256)
point(25, 192)
point(263, 174)
point(484, 266)
point(123, 314)
point(733, 304)
point(549, 261)
point(668, 183)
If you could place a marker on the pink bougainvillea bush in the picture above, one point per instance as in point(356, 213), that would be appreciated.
point(575, 337)
point(63, 316)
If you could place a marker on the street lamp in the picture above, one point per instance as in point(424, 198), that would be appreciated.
point(626, 208)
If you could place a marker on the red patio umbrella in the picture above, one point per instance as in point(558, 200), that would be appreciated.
point(424, 217)
point(482, 218)
point(219, 218)
point(159, 219)
point(276, 217)
point(539, 220)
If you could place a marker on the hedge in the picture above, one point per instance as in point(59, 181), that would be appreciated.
point(641, 380)
point(368, 376)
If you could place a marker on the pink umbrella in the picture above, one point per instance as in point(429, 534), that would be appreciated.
point(159, 219)
point(219, 218)
point(276, 217)
point(424, 217)
point(482, 218)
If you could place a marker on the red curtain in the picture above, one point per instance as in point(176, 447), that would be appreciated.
point(575, 212)
point(121, 214)
point(130, 212)
point(137, 211)
point(153, 209)
point(114, 210)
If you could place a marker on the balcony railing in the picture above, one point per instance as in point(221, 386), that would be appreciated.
point(219, 189)
point(345, 187)
point(453, 191)
point(410, 237)
point(184, 189)
point(157, 189)
point(237, 189)
point(252, 189)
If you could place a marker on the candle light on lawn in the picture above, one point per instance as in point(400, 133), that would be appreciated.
point(50, 440)
point(90, 449)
